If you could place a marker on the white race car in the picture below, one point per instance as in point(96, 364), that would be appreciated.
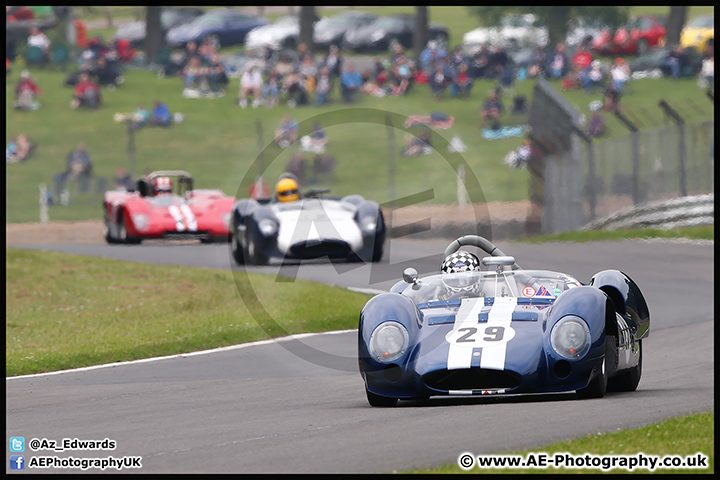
point(314, 226)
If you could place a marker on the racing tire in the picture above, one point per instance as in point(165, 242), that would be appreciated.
point(123, 236)
point(108, 237)
point(380, 401)
point(252, 255)
point(598, 385)
point(628, 380)
point(377, 253)
point(236, 249)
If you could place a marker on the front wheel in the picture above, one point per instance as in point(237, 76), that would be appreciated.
point(380, 401)
point(253, 255)
point(598, 385)
point(237, 248)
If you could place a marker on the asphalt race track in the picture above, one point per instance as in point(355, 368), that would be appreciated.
point(298, 405)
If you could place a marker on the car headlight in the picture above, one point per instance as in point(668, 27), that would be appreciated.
point(140, 220)
point(570, 337)
point(368, 223)
point(388, 342)
point(267, 227)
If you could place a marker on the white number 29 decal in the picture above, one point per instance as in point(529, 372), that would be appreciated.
point(475, 337)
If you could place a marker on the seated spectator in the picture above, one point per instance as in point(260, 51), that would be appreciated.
point(298, 167)
point(559, 64)
point(288, 131)
point(350, 82)
point(370, 87)
point(620, 74)
point(251, 83)
point(177, 67)
point(438, 81)
point(19, 150)
point(216, 75)
point(106, 74)
point(78, 168)
point(126, 53)
point(417, 145)
point(38, 47)
point(26, 92)
point(194, 77)
point(519, 105)
point(123, 180)
point(594, 76)
point(316, 141)
point(323, 167)
point(323, 87)
point(672, 62)
point(206, 50)
point(303, 53)
point(333, 61)
point(295, 87)
point(461, 82)
point(479, 64)
point(381, 73)
point(309, 71)
point(596, 125)
point(491, 110)
point(140, 117)
point(161, 115)
point(611, 101)
point(271, 89)
point(86, 94)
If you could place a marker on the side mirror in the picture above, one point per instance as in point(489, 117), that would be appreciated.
point(410, 275)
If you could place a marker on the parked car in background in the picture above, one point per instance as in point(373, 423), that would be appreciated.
point(385, 31)
point(699, 33)
point(583, 30)
point(636, 37)
point(331, 30)
point(514, 32)
point(655, 60)
point(170, 17)
point(224, 27)
point(283, 33)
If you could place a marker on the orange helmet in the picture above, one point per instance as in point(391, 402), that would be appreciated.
point(287, 190)
point(162, 185)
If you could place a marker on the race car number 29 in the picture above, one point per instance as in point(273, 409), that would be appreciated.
point(475, 337)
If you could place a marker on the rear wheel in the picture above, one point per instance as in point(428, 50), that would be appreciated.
point(380, 401)
point(598, 385)
point(629, 379)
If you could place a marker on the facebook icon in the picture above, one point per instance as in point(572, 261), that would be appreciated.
point(17, 462)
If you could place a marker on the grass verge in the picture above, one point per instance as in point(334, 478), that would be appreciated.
point(683, 436)
point(67, 311)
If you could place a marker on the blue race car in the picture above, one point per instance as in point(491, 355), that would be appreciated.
point(504, 330)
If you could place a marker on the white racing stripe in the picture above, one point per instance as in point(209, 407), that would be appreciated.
point(175, 212)
point(500, 315)
point(189, 217)
point(460, 354)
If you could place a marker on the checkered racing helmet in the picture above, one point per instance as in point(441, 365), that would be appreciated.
point(460, 261)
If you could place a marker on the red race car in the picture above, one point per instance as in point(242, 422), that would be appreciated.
point(638, 36)
point(155, 211)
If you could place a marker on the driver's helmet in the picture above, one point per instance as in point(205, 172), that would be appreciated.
point(287, 190)
point(460, 261)
point(162, 185)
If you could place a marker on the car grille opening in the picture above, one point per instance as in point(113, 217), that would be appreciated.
point(471, 379)
point(329, 248)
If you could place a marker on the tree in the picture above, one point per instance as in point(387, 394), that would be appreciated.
point(420, 37)
point(675, 24)
point(154, 33)
point(554, 18)
point(308, 17)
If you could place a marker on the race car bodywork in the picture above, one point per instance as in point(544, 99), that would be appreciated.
point(133, 216)
point(501, 331)
point(350, 228)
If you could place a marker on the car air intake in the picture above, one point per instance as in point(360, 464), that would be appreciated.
point(471, 379)
point(314, 249)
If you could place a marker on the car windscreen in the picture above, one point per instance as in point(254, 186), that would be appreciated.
point(515, 283)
